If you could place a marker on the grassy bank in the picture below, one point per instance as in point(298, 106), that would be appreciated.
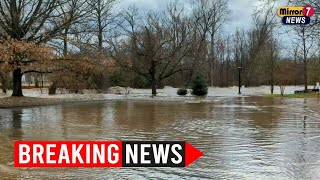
point(29, 101)
point(304, 96)
point(11, 102)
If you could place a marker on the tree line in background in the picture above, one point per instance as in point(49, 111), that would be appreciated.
point(78, 44)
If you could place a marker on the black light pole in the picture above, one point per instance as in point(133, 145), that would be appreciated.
point(239, 69)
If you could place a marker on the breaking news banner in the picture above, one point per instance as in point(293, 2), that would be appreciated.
point(103, 154)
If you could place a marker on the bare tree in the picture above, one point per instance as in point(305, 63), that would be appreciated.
point(305, 37)
point(155, 49)
point(295, 59)
point(315, 23)
point(220, 55)
point(258, 37)
point(78, 10)
point(240, 50)
point(281, 76)
point(303, 42)
point(209, 18)
point(102, 18)
point(272, 48)
point(228, 58)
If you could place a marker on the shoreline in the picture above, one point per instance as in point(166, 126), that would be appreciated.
point(25, 102)
point(35, 97)
point(294, 96)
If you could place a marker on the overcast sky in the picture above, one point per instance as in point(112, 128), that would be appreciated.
point(240, 14)
point(240, 17)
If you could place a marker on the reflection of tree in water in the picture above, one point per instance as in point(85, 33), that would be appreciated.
point(16, 124)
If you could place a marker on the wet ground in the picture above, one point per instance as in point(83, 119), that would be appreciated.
point(241, 137)
point(168, 93)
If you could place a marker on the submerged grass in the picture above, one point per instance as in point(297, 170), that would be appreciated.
point(309, 95)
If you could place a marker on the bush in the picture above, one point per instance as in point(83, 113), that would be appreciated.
point(116, 79)
point(182, 92)
point(52, 89)
point(199, 86)
point(6, 84)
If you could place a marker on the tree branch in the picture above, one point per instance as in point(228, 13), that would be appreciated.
point(39, 72)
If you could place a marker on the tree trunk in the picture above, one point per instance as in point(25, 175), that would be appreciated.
point(17, 83)
point(154, 89)
point(52, 88)
point(36, 81)
point(3, 83)
point(3, 87)
point(228, 69)
point(211, 72)
point(305, 69)
point(272, 82)
point(305, 74)
point(221, 75)
point(295, 66)
point(272, 71)
point(65, 42)
point(212, 59)
point(154, 82)
point(100, 35)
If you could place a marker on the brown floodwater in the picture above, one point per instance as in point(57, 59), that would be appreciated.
point(241, 137)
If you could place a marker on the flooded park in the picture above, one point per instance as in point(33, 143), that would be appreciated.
point(242, 137)
point(238, 80)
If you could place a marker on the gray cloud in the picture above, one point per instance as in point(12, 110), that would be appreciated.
point(240, 15)
point(147, 4)
point(240, 11)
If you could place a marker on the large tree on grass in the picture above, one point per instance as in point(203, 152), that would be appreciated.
point(28, 23)
point(22, 57)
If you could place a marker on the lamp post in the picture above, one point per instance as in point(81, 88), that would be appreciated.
point(239, 69)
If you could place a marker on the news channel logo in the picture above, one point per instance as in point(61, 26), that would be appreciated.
point(296, 15)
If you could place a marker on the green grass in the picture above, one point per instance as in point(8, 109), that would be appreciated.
point(309, 95)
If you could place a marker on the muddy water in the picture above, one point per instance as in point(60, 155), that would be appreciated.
point(242, 138)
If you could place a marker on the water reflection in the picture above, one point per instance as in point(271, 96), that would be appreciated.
point(85, 120)
point(16, 124)
point(16, 119)
point(11, 122)
point(242, 138)
point(268, 115)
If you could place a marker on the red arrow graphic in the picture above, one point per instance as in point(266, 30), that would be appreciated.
point(192, 154)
